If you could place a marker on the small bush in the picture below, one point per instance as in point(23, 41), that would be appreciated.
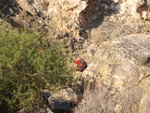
point(27, 63)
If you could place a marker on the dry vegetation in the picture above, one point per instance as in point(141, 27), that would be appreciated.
point(100, 100)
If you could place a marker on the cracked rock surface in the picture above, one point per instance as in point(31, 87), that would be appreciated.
point(113, 36)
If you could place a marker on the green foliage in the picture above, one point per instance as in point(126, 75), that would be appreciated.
point(27, 63)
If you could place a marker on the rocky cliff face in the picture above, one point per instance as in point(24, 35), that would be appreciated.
point(65, 13)
point(121, 65)
point(60, 14)
point(113, 36)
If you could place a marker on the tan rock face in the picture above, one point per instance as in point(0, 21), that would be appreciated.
point(122, 65)
point(72, 15)
point(118, 46)
point(61, 14)
point(124, 58)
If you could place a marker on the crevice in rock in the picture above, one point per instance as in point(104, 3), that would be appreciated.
point(143, 7)
point(94, 14)
point(147, 60)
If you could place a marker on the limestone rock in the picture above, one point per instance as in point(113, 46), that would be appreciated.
point(113, 36)
point(145, 103)
point(121, 65)
point(67, 94)
point(72, 16)
point(62, 14)
point(62, 101)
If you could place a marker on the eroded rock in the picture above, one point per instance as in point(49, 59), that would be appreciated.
point(61, 101)
point(113, 36)
point(120, 64)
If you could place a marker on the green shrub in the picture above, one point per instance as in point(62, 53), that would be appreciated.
point(27, 63)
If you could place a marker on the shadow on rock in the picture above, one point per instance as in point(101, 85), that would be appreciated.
point(95, 13)
point(60, 105)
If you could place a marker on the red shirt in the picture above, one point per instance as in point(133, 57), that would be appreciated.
point(77, 62)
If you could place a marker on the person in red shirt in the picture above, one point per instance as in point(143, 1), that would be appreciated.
point(81, 64)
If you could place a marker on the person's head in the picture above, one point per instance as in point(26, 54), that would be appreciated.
point(78, 58)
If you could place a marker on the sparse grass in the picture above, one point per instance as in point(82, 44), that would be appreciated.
point(90, 103)
point(101, 101)
point(95, 100)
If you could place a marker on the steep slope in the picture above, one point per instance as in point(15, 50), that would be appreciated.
point(121, 69)
point(113, 36)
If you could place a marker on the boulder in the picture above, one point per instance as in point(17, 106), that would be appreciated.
point(62, 101)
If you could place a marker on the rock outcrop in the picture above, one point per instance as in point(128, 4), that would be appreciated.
point(122, 68)
point(61, 101)
point(113, 36)
point(60, 14)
